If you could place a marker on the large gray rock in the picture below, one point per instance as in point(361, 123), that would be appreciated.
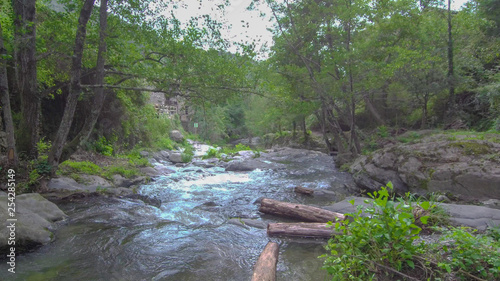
point(466, 168)
point(478, 217)
point(176, 136)
point(35, 216)
point(120, 181)
point(175, 157)
point(248, 165)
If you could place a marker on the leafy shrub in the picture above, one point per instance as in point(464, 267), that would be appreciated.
point(383, 239)
point(165, 143)
point(43, 167)
point(186, 157)
point(103, 146)
point(43, 148)
point(383, 132)
point(467, 254)
point(211, 153)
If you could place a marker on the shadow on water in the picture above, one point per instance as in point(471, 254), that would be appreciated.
point(188, 237)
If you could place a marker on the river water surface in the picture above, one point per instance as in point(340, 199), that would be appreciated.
point(191, 236)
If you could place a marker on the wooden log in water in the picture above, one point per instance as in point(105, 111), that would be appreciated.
point(303, 190)
point(298, 211)
point(265, 268)
point(301, 229)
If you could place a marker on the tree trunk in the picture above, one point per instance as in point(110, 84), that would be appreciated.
point(298, 211)
point(373, 110)
point(25, 51)
point(265, 268)
point(451, 82)
point(99, 93)
point(74, 91)
point(304, 127)
point(301, 229)
point(7, 113)
point(424, 112)
point(303, 190)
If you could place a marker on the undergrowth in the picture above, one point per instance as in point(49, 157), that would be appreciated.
point(379, 242)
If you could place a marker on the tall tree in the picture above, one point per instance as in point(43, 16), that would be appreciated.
point(5, 98)
point(75, 88)
point(25, 48)
point(99, 93)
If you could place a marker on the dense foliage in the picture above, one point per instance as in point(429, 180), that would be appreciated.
point(384, 240)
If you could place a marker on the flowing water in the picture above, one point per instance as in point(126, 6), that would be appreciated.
point(191, 236)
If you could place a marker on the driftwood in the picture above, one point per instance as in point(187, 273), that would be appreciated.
point(303, 190)
point(298, 211)
point(265, 268)
point(301, 229)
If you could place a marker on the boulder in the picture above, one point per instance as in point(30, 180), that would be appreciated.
point(144, 154)
point(35, 221)
point(149, 171)
point(247, 165)
point(162, 155)
point(176, 136)
point(120, 181)
point(466, 167)
point(175, 157)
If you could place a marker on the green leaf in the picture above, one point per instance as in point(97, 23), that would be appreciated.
point(410, 264)
point(425, 205)
point(424, 219)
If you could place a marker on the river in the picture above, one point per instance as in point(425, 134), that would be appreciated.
point(191, 236)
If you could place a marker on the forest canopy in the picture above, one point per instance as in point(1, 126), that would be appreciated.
point(73, 72)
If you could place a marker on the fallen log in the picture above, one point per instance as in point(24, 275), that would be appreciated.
point(303, 190)
point(298, 211)
point(265, 268)
point(301, 229)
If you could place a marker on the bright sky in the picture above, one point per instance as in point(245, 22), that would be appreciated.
point(241, 25)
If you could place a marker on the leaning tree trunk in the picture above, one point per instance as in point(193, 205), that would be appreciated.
point(25, 38)
point(7, 113)
point(75, 89)
point(99, 93)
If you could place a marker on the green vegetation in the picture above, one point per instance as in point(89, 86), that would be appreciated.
point(229, 151)
point(383, 240)
point(472, 147)
point(76, 169)
point(469, 254)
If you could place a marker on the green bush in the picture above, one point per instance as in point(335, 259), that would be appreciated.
point(103, 146)
point(467, 254)
point(383, 239)
point(383, 131)
point(211, 153)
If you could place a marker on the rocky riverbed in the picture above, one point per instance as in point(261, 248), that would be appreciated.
point(190, 221)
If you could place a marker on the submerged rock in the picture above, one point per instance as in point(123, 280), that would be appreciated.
point(35, 221)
